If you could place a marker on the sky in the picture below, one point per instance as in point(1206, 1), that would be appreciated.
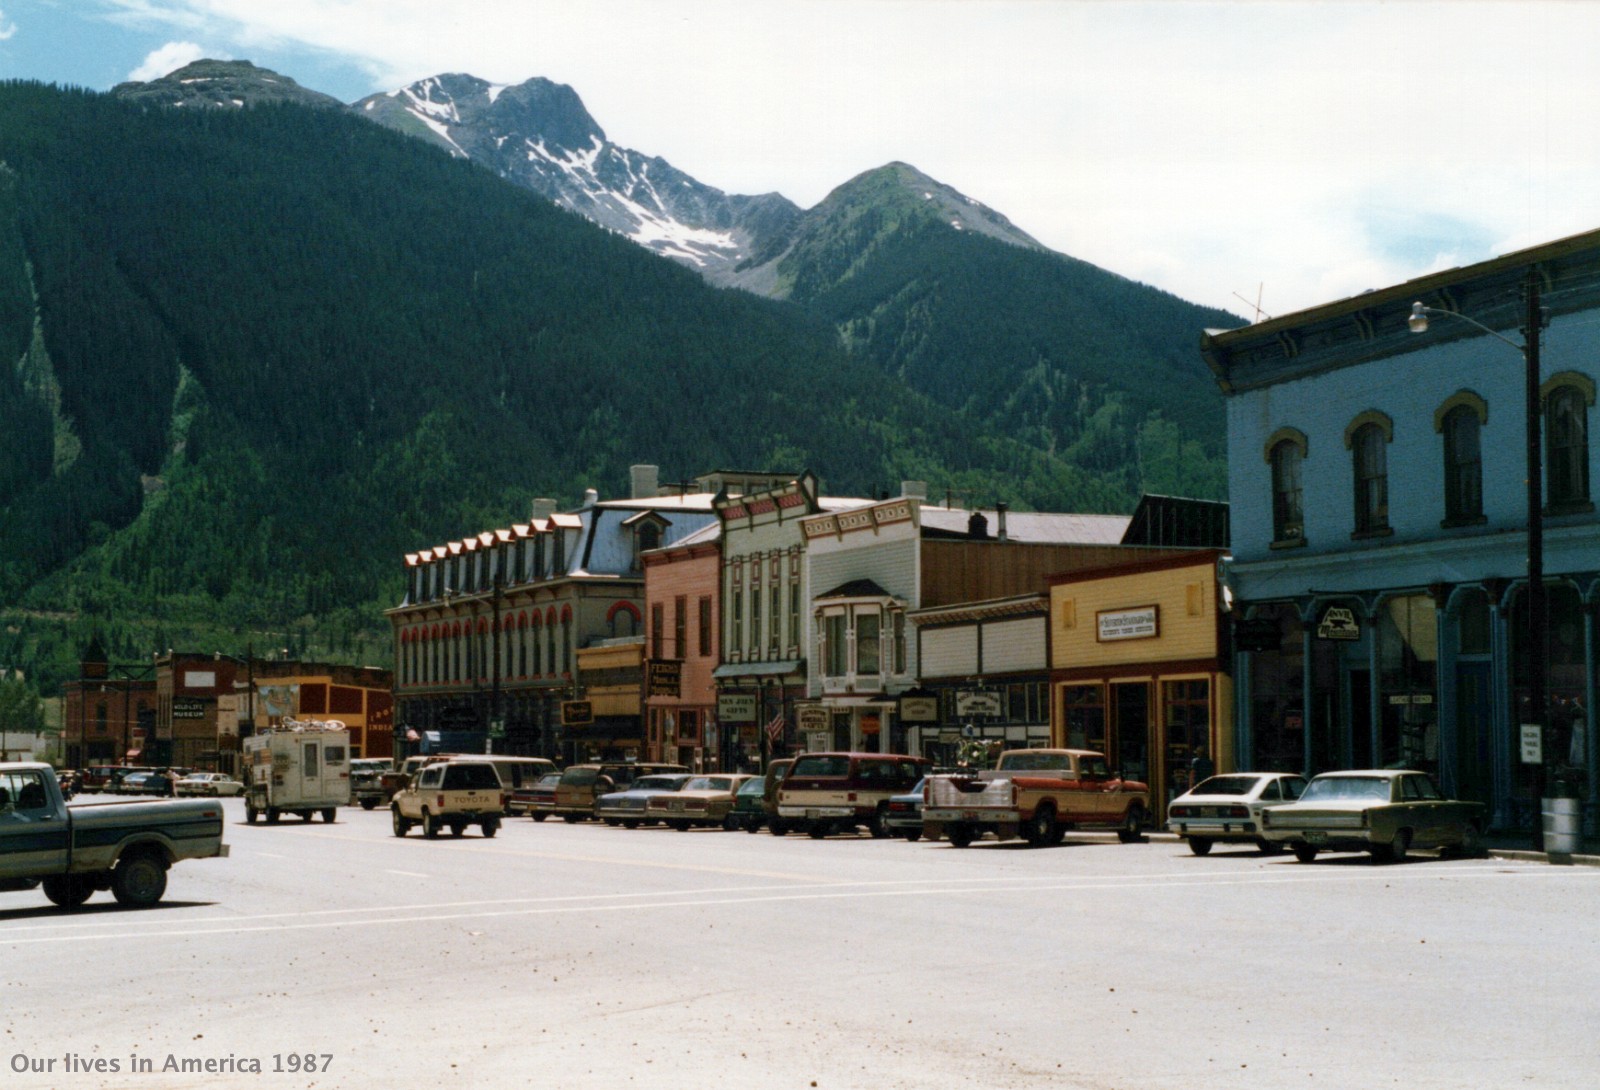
point(1290, 152)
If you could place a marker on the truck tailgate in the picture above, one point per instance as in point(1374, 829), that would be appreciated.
point(967, 793)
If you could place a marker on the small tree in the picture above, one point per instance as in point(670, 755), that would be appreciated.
point(21, 711)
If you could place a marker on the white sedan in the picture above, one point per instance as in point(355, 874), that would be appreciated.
point(1229, 808)
point(208, 783)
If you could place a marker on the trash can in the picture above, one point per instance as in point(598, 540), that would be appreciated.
point(1561, 825)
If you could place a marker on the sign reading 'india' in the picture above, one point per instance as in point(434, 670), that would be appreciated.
point(1128, 624)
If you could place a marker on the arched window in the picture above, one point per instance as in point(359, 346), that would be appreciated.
point(1463, 466)
point(1566, 447)
point(1368, 446)
point(1288, 518)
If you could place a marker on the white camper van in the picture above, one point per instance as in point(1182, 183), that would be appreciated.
point(299, 768)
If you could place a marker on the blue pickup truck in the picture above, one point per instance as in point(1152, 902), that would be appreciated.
point(73, 851)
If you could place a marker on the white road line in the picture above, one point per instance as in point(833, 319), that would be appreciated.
point(406, 873)
point(660, 904)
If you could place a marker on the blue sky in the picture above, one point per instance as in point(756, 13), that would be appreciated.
point(1305, 151)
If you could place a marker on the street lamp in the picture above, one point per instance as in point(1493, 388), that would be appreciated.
point(1533, 642)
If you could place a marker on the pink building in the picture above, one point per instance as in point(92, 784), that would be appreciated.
point(681, 650)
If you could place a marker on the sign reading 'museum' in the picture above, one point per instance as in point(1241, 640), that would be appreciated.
point(1142, 623)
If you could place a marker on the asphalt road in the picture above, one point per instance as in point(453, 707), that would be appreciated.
point(581, 956)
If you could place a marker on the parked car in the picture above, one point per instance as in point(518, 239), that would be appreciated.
point(748, 811)
point(535, 799)
point(366, 781)
point(704, 800)
point(146, 783)
point(1386, 812)
point(838, 792)
point(905, 813)
point(581, 784)
point(627, 808)
point(208, 783)
point(1228, 808)
point(120, 773)
point(776, 772)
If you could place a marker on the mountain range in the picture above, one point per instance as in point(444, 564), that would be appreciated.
point(278, 346)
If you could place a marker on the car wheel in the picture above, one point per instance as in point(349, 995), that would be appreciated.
point(1268, 847)
point(878, 823)
point(1304, 852)
point(490, 828)
point(272, 815)
point(458, 829)
point(752, 825)
point(959, 836)
point(368, 804)
point(250, 813)
point(1471, 841)
point(1132, 831)
point(730, 823)
point(430, 824)
point(613, 822)
point(817, 830)
point(778, 827)
point(139, 880)
point(630, 824)
point(67, 890)
point(399, 823)
point(328, 815)
point(913, 835)
point(681, 826)
point(1041, 829)
point(540, 817)
point(1200, 845)
point(571, 819)
point(1398, 849)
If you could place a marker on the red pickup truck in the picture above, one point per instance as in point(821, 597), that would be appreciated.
point(1038, 794)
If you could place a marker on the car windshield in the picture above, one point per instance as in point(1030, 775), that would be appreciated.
point(709, 783)
point(752, 786)
point(820, 766)
point(1327, 788)
point(470, 777)
point(1226, 785)
point(657, 783)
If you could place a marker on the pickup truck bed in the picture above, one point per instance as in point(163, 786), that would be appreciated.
point(73, 851)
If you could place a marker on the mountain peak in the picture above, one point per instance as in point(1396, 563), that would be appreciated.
point(911, 194)
point(222, 83)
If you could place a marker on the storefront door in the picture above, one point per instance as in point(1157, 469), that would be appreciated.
point(1186, 726)
point(1130, 736)
point(1474, 710)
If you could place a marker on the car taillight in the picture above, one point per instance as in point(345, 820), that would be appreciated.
point(1180, 811)
point(440, 803)
point(1238, 811)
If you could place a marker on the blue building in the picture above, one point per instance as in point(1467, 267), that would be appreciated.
point(1377, 478)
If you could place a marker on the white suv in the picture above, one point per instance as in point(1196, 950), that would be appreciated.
point(451, 794)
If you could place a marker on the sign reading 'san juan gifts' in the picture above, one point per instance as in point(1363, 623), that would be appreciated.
point(1139, 623)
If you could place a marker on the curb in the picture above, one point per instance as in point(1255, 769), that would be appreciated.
point(1555, 859)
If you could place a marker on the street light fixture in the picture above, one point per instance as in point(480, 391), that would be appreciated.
point(1533, 642)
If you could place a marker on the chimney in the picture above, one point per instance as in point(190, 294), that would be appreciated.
point(646, 482)
point(978, 526)
point(1000, 522)
point(591, 496)
point(915, 490)
point(542, 509)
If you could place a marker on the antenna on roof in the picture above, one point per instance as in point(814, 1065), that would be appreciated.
point(1260, 314)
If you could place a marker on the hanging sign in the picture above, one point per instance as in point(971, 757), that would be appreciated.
point(1338, 623)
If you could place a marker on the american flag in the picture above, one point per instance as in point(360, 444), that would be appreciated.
point(775, 728)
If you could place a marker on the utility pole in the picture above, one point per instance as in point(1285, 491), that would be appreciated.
point(1536, 637)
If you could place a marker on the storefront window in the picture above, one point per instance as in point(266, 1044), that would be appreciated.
point(1277, 710)
point(1408, 657)
point(868, 626)
point(1564, 673)
point(1084, 717)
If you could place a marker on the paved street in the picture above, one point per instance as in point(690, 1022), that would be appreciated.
point(585, 956)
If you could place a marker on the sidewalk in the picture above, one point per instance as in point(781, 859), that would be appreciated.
point(1521, 848)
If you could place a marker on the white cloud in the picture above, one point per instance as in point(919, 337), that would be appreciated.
point(7, 27)
point(170, 58)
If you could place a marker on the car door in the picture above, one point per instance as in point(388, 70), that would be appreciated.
point(33, 831)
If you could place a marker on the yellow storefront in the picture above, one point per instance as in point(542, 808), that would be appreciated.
point(1138, 668)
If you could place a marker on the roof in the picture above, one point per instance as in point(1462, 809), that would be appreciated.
point(857, 588)
point(1031, 527)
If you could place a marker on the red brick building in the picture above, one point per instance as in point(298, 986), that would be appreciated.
point(681, 649)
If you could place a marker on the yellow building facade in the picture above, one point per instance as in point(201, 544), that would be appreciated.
point(1138, 668)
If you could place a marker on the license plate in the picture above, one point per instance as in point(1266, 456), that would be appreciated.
point(1316, 836)
point(812, 815)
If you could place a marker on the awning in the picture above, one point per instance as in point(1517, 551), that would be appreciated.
point(780, 668)
point(133, 754)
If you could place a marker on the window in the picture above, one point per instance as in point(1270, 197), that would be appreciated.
point(658, 629)
point(897, 620)
point(705, 627)
point(794, 614)
point(1288, 522)
point(755, 619)
point(868, 658)
point(736, 644)
point(834, 649)
point(774, 616)
point(1463, 466)
point(1566, 447)
point(1369, 448)
point(680, 627)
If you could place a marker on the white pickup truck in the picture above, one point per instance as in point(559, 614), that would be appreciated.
point(73, 851)
point(1038, 794)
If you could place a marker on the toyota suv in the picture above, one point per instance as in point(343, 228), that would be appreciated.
point(450, 794)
